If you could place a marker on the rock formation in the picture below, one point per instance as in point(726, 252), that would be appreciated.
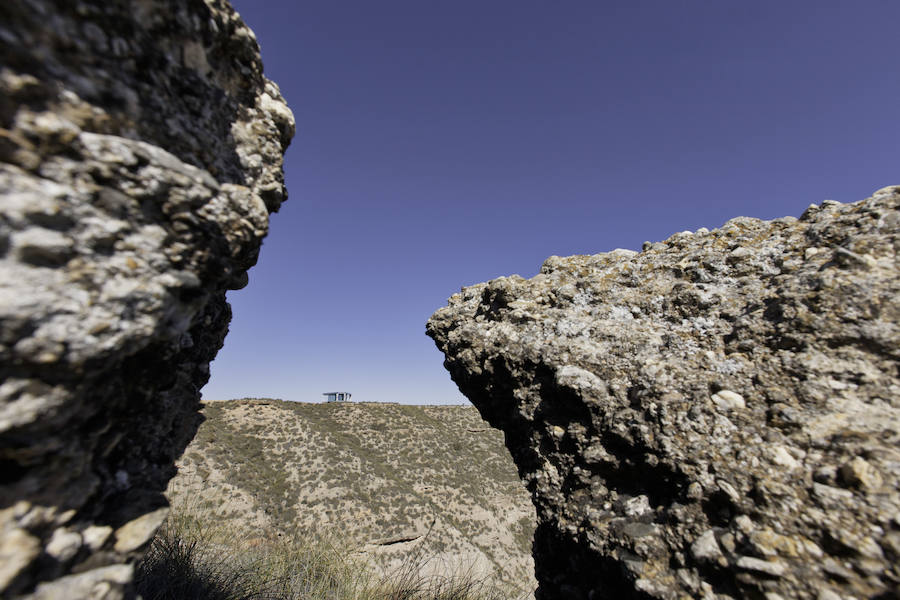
point(717, 416)
point(140, 155)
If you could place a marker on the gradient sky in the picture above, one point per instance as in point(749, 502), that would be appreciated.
point(444, 143)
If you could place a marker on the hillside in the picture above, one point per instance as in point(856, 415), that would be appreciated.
point(397, 482)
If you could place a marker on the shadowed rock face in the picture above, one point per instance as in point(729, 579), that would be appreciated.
point(140, 156)
point(717, 416)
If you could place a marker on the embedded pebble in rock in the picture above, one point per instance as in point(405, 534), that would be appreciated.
point(861, 474)
point(135, 534)
point(17, 550)
point(101, 583)
point(706, 547)
point(775, 569)
point(728, 400)
point(743, 382)
point(781, 457)
point(63, 544)
point(140, 156)
point(94, 537)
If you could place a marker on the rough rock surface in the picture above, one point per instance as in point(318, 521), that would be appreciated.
point(140, 156)
point(717, 416)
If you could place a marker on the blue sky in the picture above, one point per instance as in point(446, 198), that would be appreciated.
point(444, 143)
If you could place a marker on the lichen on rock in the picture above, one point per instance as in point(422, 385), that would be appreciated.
point(717, 416)
point(140, 156)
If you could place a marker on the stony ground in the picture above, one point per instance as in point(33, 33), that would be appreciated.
point(400, 482)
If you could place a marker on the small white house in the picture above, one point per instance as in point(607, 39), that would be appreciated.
point(336, 397)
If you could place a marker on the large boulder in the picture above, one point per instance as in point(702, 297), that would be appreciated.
point(717, 416)
point(140, 156)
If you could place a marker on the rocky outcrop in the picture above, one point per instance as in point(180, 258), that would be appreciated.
point(717, 416)
point(140, 155)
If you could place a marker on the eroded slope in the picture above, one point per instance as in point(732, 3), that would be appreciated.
point(398, 481)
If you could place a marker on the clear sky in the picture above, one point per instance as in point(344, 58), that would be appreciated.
point(444, 143)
